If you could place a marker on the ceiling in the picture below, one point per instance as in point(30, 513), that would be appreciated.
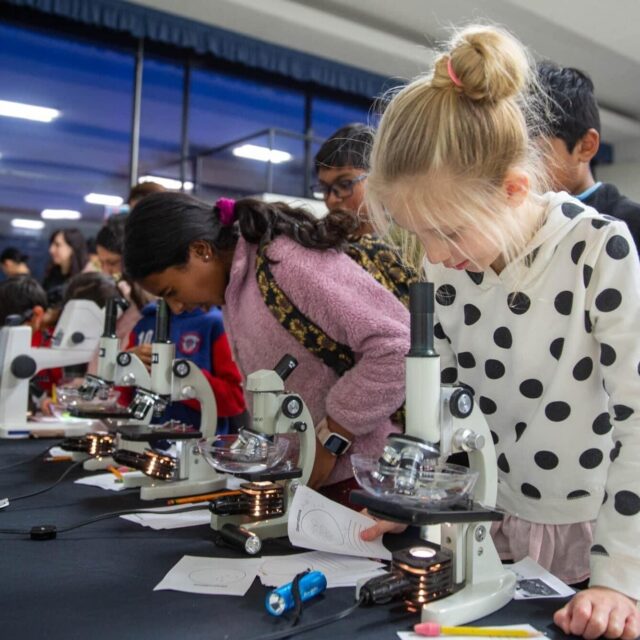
point(397, 39)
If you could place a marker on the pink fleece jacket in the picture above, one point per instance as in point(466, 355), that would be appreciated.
point(353, 309)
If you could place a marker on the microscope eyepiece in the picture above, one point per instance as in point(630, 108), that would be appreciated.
point(285, 367)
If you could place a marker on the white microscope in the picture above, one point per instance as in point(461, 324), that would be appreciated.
point(260, 504)
point(461, 579)
point(171, 379)
point(74, 342)
point(114, 369)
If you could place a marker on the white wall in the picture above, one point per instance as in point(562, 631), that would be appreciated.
point(625, 176)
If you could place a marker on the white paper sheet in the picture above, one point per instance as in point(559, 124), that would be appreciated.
point(410, 635)
point(340, 570)
point(315, 522)
point(535, 582)
point(108, 481)
point(211, 576)
point(166, 520)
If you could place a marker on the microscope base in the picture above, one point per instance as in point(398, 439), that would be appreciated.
point(264, 529)
point(47, 429)
point(472, 601)
point(95, 464)
point(181, 488)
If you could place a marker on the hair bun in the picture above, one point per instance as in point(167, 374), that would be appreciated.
point(488, 62)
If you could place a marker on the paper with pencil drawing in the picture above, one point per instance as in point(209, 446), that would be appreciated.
point(340, 571)
point(211, 576)
point(315, 522)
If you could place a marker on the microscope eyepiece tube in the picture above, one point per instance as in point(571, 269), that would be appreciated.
point(285, 366)
point(421, 303)
point(110, 317)
point(162, 323)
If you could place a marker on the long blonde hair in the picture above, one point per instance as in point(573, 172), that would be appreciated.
point(447, 140)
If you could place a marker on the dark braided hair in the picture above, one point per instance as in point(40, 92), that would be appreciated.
point(162, 227)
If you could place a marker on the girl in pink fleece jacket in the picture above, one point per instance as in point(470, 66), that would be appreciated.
point(194, 255)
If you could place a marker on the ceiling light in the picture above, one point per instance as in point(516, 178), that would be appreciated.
point(61, 214)
point(167, 183)
point(103, 198)
point(264, 154)
point(25, 223)
point(27, 111)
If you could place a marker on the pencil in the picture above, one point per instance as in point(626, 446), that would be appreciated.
point(205, 497)
point(58, 459)
point(434, 629)
point(116, 473)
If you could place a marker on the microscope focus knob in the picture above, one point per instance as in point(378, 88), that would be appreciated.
point(23, 367)
point(292, 407)
point(124, 359)
point(181, 368)
point(468, 440)
point(461, 403)
point(77, 337)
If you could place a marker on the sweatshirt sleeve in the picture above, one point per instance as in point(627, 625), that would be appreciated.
point(225, 380)
point(613, 308)
point(340, 297)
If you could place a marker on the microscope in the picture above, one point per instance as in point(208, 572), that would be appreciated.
point(74, 342)
point(255, 455)
point(461, 579)
point(171, 379)
point(114, 369)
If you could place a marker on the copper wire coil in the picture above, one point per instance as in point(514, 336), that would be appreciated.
point(96, 445)
point(151, 463)
point(430, 572)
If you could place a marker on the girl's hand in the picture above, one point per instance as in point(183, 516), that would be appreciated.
point(45, 406)
point(600, 611)
point(143, 351)
point(380, 528)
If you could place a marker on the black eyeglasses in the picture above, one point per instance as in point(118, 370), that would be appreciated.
point(342, 188)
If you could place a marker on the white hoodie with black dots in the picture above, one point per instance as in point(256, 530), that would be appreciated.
point(555, 367)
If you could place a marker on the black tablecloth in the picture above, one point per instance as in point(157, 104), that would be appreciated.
point(97, 581)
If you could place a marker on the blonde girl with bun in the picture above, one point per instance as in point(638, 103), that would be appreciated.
point(537, 304)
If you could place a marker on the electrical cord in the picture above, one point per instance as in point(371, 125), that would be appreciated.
point(41, 453)
point(294, 631)
point(66, 472)
point(50, 531)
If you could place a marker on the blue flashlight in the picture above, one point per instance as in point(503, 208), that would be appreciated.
point(281, 599)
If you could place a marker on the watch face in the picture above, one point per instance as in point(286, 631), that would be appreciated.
point(336, 444)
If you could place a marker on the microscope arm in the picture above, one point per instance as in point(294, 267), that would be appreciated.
point(188, 382)
point(48, 358)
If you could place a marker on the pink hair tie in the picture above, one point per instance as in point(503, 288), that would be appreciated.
point(226, 213)
point(452, 74)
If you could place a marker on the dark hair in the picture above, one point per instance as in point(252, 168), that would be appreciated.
point(162, 227)
point(143, 190)
point(91, 286)
point(18, 295)
point(79, 256)
point(571, 108)
point(349, 146)
point(111, 234)
point(11, 253)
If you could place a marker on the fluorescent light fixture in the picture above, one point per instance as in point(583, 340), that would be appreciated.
point(103, 198)
point(264, 154)
point(167, 183)
point(25, 223)
point(27, 111)
point(61, 214)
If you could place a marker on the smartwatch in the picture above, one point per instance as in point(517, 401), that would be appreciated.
point(335, 443)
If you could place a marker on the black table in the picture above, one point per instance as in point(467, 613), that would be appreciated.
point(97, 581)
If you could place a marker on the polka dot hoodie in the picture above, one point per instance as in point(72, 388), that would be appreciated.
point(552, 351)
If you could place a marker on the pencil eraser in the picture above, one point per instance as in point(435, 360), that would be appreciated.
point(427, 629)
